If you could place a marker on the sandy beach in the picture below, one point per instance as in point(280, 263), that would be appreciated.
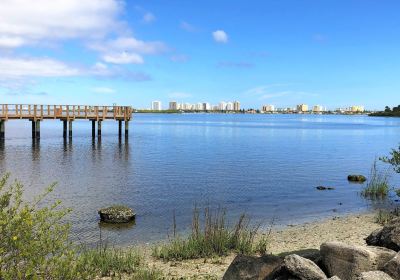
point(349, 229)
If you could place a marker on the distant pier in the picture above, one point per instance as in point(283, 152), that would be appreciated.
point(65, 113)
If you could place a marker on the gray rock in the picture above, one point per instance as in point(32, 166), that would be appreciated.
point(349, 261)
point(116, 214)
point(392, 267)
point(313, 255)
point(388, 237)
point(303, 268)
point(334, 278)
point(252, 268)
point(374, 275)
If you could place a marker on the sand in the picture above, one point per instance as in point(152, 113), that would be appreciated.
point(349, 229)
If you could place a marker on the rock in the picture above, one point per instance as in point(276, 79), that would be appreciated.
point(252, 268)
point(356, 178)
point(388, 237)
point(393, 267)
point(303, 268)
point(322, 188)
point(116, 214)
point(334, 278)
point(374, 275)
point(349, 261)
point(313, 255)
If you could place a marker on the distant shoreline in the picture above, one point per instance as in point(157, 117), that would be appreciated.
point(247, 112)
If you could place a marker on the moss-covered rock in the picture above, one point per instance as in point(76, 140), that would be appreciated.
point(116, 214)
point(356, 178)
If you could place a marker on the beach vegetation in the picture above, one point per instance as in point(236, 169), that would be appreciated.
point(384, 216)
point(212, 236)
point(378, 184)
point(393, 159)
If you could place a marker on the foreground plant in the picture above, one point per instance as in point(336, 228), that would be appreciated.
point(378, 184)
point(35, 244)
point(212, 237)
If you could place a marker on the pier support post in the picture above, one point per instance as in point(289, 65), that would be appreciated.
point(126, 128)
point(37, 129)
point(99, 128)
point(65, 129)
point(70, 129)
point(93, 129)
point(119, 128)
point(2, 129)
point(33, 129)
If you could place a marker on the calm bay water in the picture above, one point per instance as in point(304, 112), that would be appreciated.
point(265, 165)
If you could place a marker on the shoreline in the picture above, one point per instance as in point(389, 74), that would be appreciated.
point(351, 229)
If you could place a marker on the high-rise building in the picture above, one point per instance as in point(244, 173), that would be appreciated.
point(318, 109)
point(229, 106)
point(156, 105)
point(222, 105)
point(268, 108)
point(173, 105)
point(236, 106)
point(357, 109)
point(302, 108)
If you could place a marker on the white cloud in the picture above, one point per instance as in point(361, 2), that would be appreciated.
point(188, 27)
point(148, 17)
point(123, 58)
point(220, 36)
point(103, 90)
point(23, 22)
point(14, 68)
point(123, 50)
point(181, 95)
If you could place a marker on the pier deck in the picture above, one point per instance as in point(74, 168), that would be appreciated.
point(66, 114)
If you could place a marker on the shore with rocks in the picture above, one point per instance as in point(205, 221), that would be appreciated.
point(351, 229)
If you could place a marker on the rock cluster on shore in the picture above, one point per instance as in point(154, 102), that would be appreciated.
point(378, 259)
point(116, 214)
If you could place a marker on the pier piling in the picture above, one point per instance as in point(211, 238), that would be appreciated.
point(33, 129)
point(119, 128)
point(37, 129)
point(2, 129)
point(126, 128)
point(93, 129)
point(65, 129)
point(70, 129)
point(99, 128)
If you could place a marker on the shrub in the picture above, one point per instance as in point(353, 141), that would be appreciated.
point(212, 238)
point(384, 216)
point(378, 184)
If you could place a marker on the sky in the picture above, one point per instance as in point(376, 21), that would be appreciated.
point(334, 53)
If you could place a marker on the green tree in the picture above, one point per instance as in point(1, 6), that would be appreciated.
point(393, 159)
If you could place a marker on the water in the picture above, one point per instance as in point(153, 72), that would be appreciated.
point(265, 165)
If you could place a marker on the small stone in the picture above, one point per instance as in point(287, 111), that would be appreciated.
point(374, 275)
point(303, 268)
point(356, 178)
point(392, 267)
point(116, 214)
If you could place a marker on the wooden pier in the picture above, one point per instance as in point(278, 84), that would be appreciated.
point(65, 113)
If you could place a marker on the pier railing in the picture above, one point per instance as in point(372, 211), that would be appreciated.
point(64, 112)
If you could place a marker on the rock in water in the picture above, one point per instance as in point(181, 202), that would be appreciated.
point(356, 178)
point(388, 236)
point(374, 275)
point(322, 188)
point(303, 268)
point(116, 214)
point(252, 268)
point(349, 261)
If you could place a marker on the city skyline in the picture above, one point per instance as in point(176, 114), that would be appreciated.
point(131, 53)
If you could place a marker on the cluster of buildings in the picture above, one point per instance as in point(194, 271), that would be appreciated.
point(173, 106)
point(304, 108)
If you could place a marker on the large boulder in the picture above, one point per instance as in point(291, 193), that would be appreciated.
point(349, 261)
point(252, 268)
point(356, 178)
point(374, 275)
point(116, 214)
point(388, 236)
point(303, 268)
point(393, 267)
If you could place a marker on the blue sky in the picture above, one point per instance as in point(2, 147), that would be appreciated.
point(334, 53)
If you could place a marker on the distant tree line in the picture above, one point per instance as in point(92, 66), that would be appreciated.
point(388, 112)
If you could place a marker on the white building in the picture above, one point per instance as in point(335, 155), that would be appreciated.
point(156, 105)
point(229, 106)
point(357, 109)
point(268, 108)
point(173, 105)
point(236, 106)
point(222, 105)
point(302, 108)
point(318, 109)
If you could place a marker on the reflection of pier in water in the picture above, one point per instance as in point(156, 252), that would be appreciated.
point(67, 114)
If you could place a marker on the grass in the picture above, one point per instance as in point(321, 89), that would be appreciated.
point(378, 184)
point(385, 216)
point(212, 237)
